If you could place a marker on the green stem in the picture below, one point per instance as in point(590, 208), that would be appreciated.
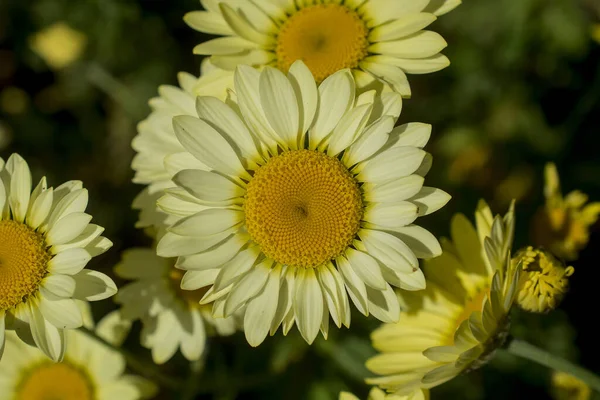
point(142, 368)
point(525, 350)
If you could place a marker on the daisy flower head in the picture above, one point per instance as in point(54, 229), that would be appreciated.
point(295, 199)
point(156, 139)
point(544, 280)
point(461, 318)
point(376, 39)
point(172, 318)
point(90, 370)
point(46, 240)
point(563, 224)
point(378, 394)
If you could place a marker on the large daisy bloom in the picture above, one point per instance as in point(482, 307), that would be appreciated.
point(295, 199)
point(457, 323)
point(90, 370)
point(563, 224)
point(46, 240)
point(377, 39)
point(172, 318)
point(156, 140)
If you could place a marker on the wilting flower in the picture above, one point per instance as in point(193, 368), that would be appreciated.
point(567, 387)
point(544, 280)
point(377, 39)
point(457, 323)
point(172, 317)
point(562, 226)
point(293, 197)
point(59, 45)
point(90, 371)
point(156, 139)
point(377, 394)
point(46, 240)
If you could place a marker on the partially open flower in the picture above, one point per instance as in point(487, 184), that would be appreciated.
point(544, 280)
point(563, 224)
point(567, 387)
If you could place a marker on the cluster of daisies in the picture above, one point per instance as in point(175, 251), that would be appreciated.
point(280, 190)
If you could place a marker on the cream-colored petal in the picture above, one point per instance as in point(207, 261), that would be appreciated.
point(62, 313)
point(422, 242)
point(93, 286)
point(59, 285)
point(349, 128)
point(355, 286)
point(40, 209)
point(172, 245)
point(236, 267)
point(261, 309)
point(69, 262)
point(370, 142)
point(204, 21)
point(208, 146)
point(366, 268)
point(305, 87)
point(214, 257)
point(419, 45)
point(248, 287)
point(403, 26)
point(47, 337)
point(390, 216)
point(243, 28)
point(336, 96)
point(208, 222)
point(383, 304)
point(193, 280)
point(228, 124)
point(391, 164)
point(391, 251)
point(67, 228)
point(279, 102)
point(377, 12)
point(390, 74)
point(20, 186)
point(393, 191)
point(308, 304)
point(430, 200)
point(224, 45)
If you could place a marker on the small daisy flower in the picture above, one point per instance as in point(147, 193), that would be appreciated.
point(377, 39)
point(89, 371)
point(295, 200)
point(156, 140)
point(377, 394)
point(172, 317)
point(458, 322)
point(46, 240)
point(544, 280)
point(567, 387)
point(563, 225)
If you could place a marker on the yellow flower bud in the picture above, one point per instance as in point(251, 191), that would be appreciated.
point(543, 282)
point(567, 387)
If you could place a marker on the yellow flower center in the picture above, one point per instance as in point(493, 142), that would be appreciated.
point(49, 381)
point(303, 208)
point(191, 297)
point(327, 37)
point(544, 280)
point(23, 262)
point(473, 303)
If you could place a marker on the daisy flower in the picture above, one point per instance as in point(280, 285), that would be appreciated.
point(46, 240)
point(563, 225)
point(458, 322)
point(90, 370)
point(377, 394)
point(293, 200)
point(376, 39)
point(156, 140)
point(172, 317)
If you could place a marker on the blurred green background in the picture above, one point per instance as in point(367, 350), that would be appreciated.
point(523, 89)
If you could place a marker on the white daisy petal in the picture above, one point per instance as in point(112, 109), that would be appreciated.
point(419, 45)
point(193, 280)
point(366, 268)
point(390, 215)
point(236, 267)
point(307, 93)
point(383, 304)
point(47, 337)
point(248, 287)
point(308, 304)
point(62, 313)
point(73, 202)
point(93, 286)
point(370, 142)
point(208, 222)
point(40, 209)
point(390, 74)
point(69, 262)
point(60, 285)
point(279, 102)
point(415, 134)
point(228, 124)
point(336, 95)
point(214, 258)
point(67, 228)
point(430, 200)
point(207, 22)
point(261, 310)
point(422, 242)
point(356, 287)
point(207, 145)
point(403, 26)
point(378, 170)
point(20, 186)
point(193, 342)
point(394, 191)
point(349, 129)
point(225, 45)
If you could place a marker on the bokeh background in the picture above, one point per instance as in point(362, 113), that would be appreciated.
point(523, 89)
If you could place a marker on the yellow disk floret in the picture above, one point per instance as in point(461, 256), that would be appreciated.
point(303, 208)
point(544, 280)
point(23, 262)
point(55, 381)
point(327, 37)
